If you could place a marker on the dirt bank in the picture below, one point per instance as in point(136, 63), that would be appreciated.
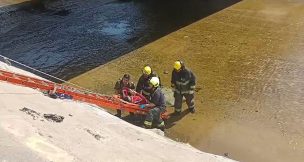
point(249, 65)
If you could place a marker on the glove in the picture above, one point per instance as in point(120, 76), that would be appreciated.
point(142, 106)
point(173, 87)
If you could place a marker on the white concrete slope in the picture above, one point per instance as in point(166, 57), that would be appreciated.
point(86, 133)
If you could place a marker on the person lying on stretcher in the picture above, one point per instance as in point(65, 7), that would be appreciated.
point(133, 97)
point(125, 89)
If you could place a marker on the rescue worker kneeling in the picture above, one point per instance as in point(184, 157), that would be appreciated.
point(157, 101)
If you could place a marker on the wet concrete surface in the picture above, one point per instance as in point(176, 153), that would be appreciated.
point(70, 37)
point(248, 60)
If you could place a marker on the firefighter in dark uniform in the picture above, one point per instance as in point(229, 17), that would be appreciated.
point(157, 101)
point(143, 82)
point(123, 82)
point(183, 84)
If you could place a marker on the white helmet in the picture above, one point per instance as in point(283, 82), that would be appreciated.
point(154, 81)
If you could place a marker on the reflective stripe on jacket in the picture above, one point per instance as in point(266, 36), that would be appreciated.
point(184, 81)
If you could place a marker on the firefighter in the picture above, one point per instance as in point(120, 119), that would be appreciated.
point(158, 104)
point(143, 82)
point(183, 84)
point(122, 83)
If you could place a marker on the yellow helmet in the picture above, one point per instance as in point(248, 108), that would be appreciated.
point(177, 65)
point(154, 81)
point(147, 70)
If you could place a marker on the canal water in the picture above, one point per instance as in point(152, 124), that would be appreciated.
point(71, 37)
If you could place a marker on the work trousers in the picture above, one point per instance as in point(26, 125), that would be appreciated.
point(154, 116)
point(179, 100)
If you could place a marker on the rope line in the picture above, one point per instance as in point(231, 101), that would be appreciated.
point(8, 61)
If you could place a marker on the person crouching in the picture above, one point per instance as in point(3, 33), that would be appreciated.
point(157, 101)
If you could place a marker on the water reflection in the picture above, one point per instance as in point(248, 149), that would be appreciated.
point(70, 39)
point(119, 28)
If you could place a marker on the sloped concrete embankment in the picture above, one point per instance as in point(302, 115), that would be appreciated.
point(34, 127)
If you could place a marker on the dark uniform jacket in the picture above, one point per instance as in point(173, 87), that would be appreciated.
point(143, 84)
point(158, 99)
point(183, 81)
point(119, 86)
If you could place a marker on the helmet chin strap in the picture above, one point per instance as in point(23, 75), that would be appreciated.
point(153, 89)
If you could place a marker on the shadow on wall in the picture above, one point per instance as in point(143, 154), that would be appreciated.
point(173, 119)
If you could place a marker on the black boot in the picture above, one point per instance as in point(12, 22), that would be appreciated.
point(161, 126)
point(118, 113)
point(192, 110)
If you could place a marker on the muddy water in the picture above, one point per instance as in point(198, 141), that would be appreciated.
point(248, 60)
point(74, 36)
